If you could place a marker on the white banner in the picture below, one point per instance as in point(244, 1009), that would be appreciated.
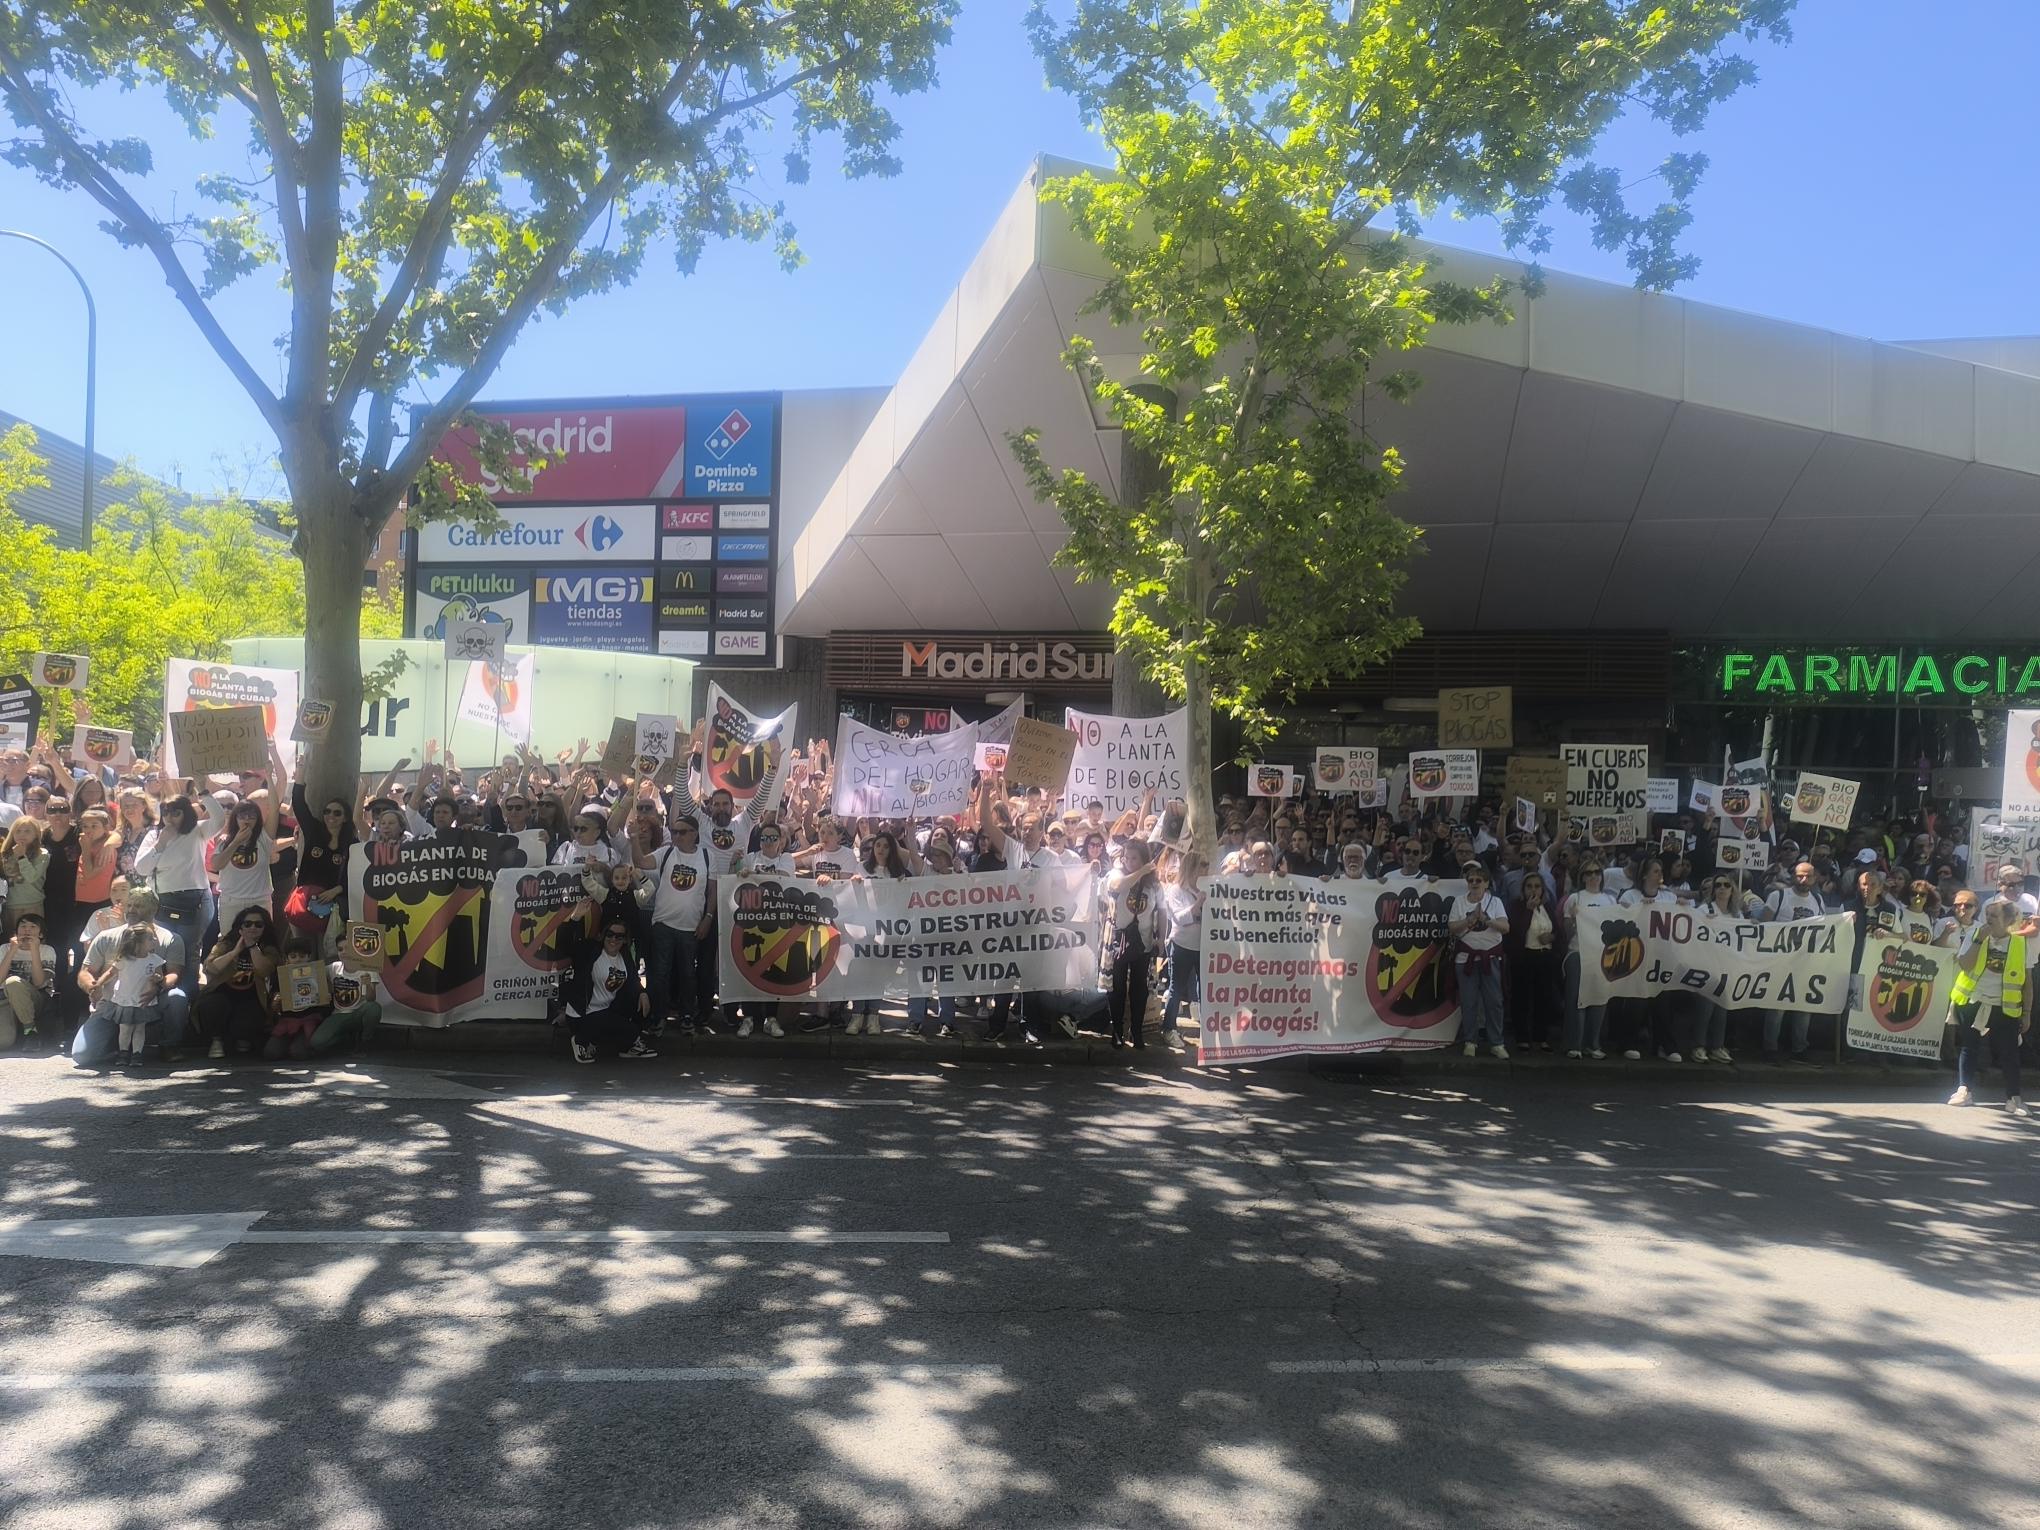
point(1342, 767)
point(500, 697)
point(1902, 998)
point(2020, 794)
point(742, 752)
point(1638, 951)
point(980, 933)
point(880, 775)
point(1120, 759)
point(1444, 773)
point(1294, 966)
point(190, 684)
point(1827, 801)
point(473, 924)
point(1663, 794)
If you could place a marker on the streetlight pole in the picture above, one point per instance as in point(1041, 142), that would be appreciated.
point(91, 375)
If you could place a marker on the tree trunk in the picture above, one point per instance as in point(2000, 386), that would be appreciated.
point(1201, 822)
point(333, 543)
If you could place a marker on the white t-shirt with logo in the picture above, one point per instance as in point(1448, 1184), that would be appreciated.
point(1788, 903)
point(679, 887)
point(349, 991)
point(244, 874)
point(1480, 940)
point(605, 981)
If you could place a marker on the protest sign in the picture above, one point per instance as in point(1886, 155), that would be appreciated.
point(102, 748)
point(1372, 793)
point(1477, 717)
point(1993, 844)
point(993, 932)
point(1040, 755)
point(995, 738)
point(1824, 800)
point(59, 671)
point(1702, 797)
point(619, 751)
point(498, 695)
point(472, 923)
point(1341, 767)
point(2019, 795)
point(1444, 773)
point(1901, 998)
point(313, 720)
point(880, 775)
point(1638, 951)
point(1526, 815)
point(1671, 842)
point(476, 642)
point(1120, 759)
point(1731, 853)
point(219, 741)
point(1270, 780)
point(1662, 794)
point(191, 686)
point(1293, 966)
point(742, 752)
point(1608, 778)
point(361, 949)
point(1541, 778)
point(20, 712)
point(302, 985)
point(656, 736)
point(1756, 855)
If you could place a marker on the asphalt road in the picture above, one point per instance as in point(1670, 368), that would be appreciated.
point(1079, 1297)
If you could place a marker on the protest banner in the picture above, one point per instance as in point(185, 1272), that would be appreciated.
point(313, 720)
point(1342, 767)
point(1293, 966)
point(472, 923)
point(102, 748)
point(191, 686)
point(881, 775)
point(1993, 844)
point(1040, 755)
point(1608, 779)
point(656, 736)
point(1662, 794)
point(476, 642)
point(1120, 759)
point(20, 712)
point(1477, 717)
point(993, 932)
point(2019, 796)
point(995, 738)
point(1444, 773)
point(1827, 801)
point(742, 752)
point(1270, 780)
point(1638, 951)
point(1901, 999)
point(219, 741)
point(59, 671)
point(1541, 778)
point(498, 695)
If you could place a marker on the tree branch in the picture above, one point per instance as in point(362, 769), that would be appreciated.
point(311, 326)
point(99, 183)
point(265, 104)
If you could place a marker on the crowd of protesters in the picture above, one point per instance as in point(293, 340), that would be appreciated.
point(143, 912)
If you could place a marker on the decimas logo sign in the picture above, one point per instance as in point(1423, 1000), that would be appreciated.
point(724, 438)
point(784, 939)
point(1406, 965)
point(1902, 989)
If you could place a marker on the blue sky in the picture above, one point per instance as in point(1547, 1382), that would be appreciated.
point(1879, 181)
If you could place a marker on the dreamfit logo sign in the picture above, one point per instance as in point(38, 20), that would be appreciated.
point(580, 534)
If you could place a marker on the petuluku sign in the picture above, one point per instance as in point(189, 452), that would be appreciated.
point(1788, 675)
point(631, 499)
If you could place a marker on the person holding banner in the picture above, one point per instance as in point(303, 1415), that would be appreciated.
point(1801, 900)
point(1993, 997)
point(1135, 893)
point(1648, 1022)
point(1478, 927)
point(1183, 901)
point(1582, 1031)
point(602, 997)
point(1710, 1041)
point(1534, 945)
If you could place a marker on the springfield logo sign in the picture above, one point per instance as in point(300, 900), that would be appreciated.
point(730, 455)
point(1009, 661)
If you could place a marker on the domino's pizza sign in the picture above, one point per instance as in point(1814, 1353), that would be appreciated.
point(729, 448)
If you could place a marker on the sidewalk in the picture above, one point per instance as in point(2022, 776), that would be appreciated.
point(1093, 1050)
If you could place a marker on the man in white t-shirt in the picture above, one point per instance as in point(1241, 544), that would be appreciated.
point(677, 893)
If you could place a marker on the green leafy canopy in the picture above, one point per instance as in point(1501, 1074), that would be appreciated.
point(1271, 161)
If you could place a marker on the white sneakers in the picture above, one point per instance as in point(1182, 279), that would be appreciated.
point(855, 1027)
point(2016, 1106)
point(584, 1051)
point(744, 1026)
point(1500, 1054)
point(1673, 1057)
point(773, 1027)
point(1722, 1054)
point(1469, 1050)
point(1632, 1055)
point(1960, 1096)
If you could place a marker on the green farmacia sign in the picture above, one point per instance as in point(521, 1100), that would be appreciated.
point(1868, 675)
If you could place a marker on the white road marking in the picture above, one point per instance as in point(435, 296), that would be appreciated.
point(702, 1373)
point(64, 1381)
point(1453, 1364)
point(511, 1237)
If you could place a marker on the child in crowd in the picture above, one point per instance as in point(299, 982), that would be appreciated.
point(137, 992)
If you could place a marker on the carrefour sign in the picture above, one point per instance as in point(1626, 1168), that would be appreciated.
point(580, 534)
point(1926, 676)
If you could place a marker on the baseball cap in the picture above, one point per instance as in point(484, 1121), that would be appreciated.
point(1866, 857)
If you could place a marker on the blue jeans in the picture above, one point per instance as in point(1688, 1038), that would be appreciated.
point(1186, 983)
point(187, 914)
point(1582, 1029)
point(670, 968)
point(1774, 1022)
point(917, 1014)
point(96, 1037)
point(1480, 1002)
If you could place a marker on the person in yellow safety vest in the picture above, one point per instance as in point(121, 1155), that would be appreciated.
point(1993, 995)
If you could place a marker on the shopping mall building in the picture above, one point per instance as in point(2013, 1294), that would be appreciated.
point(1652, 518)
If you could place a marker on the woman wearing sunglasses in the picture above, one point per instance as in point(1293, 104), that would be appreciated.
point(603, 999)
point(240, 973)
point(1724, 897)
